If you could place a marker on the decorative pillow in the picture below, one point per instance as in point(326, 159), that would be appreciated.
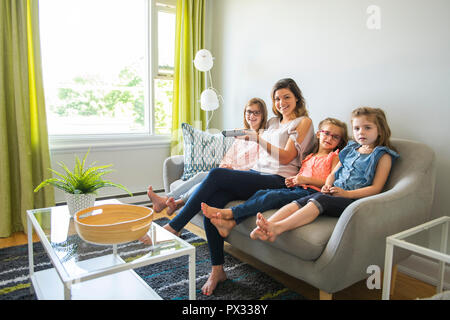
point(203, 151)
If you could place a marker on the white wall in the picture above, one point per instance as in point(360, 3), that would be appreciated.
point(326, 46)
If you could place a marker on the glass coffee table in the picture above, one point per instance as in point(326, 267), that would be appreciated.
point(429, 239)
point(87, 271)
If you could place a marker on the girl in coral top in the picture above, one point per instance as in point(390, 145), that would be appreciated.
point(315, 168)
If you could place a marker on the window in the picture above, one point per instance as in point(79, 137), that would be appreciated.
point(163, 80)
point(108, 66)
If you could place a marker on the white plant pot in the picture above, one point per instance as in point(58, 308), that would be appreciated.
point(77, 202)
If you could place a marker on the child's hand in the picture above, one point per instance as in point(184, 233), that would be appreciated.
point(338, 192)
point(226, 166)
point(289, 182)
point(326, 189)
point(298, 180)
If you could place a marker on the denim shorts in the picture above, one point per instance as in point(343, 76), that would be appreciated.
point(328, 205)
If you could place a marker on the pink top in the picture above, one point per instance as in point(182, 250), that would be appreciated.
point(317, 166)
point(242, 155)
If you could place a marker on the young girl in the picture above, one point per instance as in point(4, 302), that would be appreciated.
point(242, 155)
point(362, 171)
point(332, 136)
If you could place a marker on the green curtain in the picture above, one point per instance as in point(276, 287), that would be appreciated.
point(24, 151)
point(188, 82)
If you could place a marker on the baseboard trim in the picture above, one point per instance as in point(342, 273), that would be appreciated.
point(424, 269)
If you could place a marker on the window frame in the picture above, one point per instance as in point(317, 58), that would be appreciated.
point(105, 141)
point(168, 6)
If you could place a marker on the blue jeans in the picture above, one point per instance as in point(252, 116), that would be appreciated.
point(267, 199)
point(220, 187)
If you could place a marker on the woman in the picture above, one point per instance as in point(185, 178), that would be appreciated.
point(287, 138)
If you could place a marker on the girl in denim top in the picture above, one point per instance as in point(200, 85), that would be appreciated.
point(362, 171)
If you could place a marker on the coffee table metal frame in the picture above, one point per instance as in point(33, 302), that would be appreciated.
point(47, 283)
point(400, 240)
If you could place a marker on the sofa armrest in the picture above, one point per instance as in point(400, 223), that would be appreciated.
point(172, 170)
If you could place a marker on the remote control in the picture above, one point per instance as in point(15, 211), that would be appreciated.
point(234, 133)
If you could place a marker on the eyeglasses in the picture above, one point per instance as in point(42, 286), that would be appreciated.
point(333, 136)
point(255, 113)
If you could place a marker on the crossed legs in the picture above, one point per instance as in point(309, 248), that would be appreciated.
point(222, 219)
point(161, 203)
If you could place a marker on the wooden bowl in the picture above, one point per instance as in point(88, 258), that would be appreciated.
point(113, 223)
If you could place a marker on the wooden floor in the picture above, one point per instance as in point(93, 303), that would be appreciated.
point(406, 288)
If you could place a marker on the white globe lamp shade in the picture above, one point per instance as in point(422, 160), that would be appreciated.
point(203, 60)
point(209, 100)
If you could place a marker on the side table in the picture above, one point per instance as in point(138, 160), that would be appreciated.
point(418, 241)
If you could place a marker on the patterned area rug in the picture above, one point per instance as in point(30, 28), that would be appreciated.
point(168, 279)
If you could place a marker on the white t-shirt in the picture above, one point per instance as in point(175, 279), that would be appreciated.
point(277, 134)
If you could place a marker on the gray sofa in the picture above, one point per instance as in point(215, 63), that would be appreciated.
point(333, 253)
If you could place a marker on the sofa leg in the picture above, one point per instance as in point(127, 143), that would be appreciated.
point(325, 295)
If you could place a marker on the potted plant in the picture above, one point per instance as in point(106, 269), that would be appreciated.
point(80, 185)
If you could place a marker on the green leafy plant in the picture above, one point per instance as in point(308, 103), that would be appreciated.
point(82, 179)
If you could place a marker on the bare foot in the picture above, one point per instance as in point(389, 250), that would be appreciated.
point(257, 233)
point(159, 203)
point(211, 212)
point(173, 205)
point(172, 230)
point(216, 276)
point(145, 239)
point(208, 211)
point(260, 220)
point(224, 226)
point(267, 228)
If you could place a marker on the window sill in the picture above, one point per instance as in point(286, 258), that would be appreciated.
point(64, 144)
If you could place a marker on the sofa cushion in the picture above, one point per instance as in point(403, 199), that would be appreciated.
point(306, 242)
point(203, 151)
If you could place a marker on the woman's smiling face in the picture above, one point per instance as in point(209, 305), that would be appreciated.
point(285, 102)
